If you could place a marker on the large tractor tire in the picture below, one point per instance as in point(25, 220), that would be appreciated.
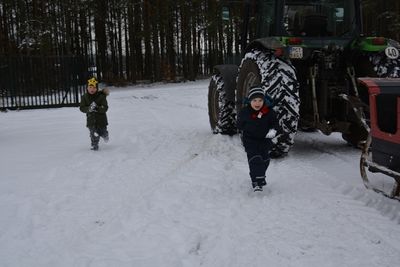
point(385, 67)
point(278, 78)
point(221, 108)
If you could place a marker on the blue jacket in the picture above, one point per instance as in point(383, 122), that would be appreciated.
point(255, 125)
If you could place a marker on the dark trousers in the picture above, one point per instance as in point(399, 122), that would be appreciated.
point(95, 134)
point(258, 159)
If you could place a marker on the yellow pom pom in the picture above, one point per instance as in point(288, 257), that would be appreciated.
point(92, 82)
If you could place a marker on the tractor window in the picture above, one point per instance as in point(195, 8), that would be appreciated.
point(386, 106)
point(318, 18)
point(265, 18)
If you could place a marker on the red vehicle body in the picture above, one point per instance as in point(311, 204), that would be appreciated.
point(382, 150)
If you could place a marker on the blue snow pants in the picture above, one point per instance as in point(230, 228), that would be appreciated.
point(258, 159)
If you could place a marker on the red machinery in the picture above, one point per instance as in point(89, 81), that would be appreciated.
point(381, 153)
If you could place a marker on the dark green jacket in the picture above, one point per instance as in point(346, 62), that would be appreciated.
point(96, 119)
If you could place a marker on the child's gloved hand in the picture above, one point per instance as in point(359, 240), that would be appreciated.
point(271, 134)
point(92, 107)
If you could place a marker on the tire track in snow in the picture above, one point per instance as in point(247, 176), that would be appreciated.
point(334, 190)
point(334, 148)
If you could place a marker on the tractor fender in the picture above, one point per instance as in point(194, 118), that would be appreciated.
point(365, 44)
point(268, 43)
point(229, 74)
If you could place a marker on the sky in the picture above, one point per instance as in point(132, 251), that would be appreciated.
point(167, 192)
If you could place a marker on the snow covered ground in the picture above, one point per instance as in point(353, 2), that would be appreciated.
point(166, 192)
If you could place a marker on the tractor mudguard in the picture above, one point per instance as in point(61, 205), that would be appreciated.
point(229, 74)
point(268, 43)
point(368, 44)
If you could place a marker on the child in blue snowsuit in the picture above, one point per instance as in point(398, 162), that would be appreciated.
point(258, 124)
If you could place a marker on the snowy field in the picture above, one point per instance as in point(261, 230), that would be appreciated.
point(166, 192)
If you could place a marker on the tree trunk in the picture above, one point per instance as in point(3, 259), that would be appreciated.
point(155, 41)
point(100, 14)
point(148, 75)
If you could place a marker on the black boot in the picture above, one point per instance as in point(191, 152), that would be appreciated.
point(95, 147)
point(94, 138)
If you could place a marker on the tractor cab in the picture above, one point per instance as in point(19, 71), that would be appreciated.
point(307, 18)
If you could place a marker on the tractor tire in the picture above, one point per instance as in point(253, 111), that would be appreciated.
point(221, 110)
point(385, 67)
point(278, 78)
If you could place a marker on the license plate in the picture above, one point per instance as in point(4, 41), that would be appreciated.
point(296, 52)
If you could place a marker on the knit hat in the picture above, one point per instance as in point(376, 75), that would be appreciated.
point(255, 91)
point(92, 82)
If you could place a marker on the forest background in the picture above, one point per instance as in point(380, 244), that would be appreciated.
point(128, 41)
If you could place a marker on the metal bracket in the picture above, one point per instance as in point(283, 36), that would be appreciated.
point(313, 75)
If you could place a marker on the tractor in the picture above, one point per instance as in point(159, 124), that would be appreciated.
point(307, 55)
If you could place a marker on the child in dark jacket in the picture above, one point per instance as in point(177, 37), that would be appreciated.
point(258, 124)
point(94, 104)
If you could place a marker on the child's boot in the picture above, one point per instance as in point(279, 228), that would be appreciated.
point(258, 188)
point(94, 138)
point(95, 147)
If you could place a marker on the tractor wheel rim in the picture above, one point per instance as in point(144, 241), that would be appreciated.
point(250, 80)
